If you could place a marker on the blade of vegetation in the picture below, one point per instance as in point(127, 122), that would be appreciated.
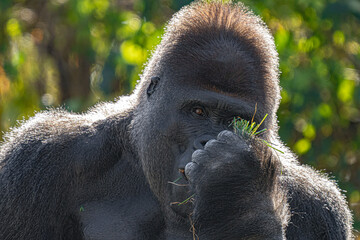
point(186, 200)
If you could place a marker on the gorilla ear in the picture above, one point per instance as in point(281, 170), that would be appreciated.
point(152, 86)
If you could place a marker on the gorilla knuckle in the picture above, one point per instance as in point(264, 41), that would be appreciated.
point(227, 136)
point(213, 144)
point(190, 169)
point(199, 156)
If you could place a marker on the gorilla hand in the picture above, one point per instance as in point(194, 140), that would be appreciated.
point(234, 188)
point(227, 152)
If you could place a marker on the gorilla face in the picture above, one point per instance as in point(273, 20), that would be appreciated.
point(190, 117)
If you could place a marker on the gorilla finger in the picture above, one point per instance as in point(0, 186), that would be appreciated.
point(190, 170)
point(228, 137)
point(214, 144)
point(200, 156)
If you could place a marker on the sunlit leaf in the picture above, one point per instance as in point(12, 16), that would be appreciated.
point(325, 110)
point(13, 28)
point(132, 53)
point(309, 132)
point(346, 90)
point(339, 38)
point(302, 146)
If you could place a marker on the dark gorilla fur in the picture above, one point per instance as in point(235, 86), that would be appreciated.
point(105, 174)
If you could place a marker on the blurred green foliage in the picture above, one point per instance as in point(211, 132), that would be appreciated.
point(74, 53)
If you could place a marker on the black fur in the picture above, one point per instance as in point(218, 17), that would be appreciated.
point(110, 173)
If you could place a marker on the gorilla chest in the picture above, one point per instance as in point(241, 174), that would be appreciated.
point(120, 220)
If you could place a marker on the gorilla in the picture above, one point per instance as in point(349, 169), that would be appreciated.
point(164, 162)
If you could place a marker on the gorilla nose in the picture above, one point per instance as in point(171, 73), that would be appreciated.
point(200, 142)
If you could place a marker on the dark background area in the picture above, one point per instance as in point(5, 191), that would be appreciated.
point(75, 53)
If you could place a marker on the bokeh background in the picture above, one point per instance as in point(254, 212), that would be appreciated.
point(74, 53)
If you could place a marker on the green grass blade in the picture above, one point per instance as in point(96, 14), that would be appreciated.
point(259, 132)
point(186, 200)
point(269, 145)
point(257, 127)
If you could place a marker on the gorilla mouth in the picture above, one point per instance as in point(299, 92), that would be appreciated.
point(181, 197)
point(176, 181)
point(182, 171)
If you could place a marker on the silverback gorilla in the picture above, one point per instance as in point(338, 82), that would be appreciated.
point(163, 162)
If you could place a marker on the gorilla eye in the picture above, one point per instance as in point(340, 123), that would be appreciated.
point(229, 121)
point(199, 111)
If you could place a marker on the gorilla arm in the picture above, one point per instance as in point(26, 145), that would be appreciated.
point(242, 190)
point(44, 162)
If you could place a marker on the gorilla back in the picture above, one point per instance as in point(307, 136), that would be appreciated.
point(164, 163)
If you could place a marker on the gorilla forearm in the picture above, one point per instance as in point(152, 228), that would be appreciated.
point(241, 213)
point(318, 209)
point(35, 185)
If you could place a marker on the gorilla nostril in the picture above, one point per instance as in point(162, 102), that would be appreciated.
point(200, 142)
point(199, 145)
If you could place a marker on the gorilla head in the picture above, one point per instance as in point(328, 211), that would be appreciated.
point(215, 62)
